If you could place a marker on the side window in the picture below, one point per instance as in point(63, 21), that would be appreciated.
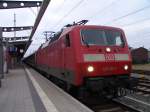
point(67, 40)
point(118, 41)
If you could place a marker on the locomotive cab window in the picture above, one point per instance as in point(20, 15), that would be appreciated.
point(67, 40)
point(118, 41)
point(102, 37)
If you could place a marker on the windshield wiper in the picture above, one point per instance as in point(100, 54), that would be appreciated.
point(87, 44)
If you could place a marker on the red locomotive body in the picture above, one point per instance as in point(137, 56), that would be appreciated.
point(95, 57)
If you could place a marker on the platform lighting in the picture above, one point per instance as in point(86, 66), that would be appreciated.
point(5, 29)
point(37, 3)
point(5, 4)
point(21, 51)
point(22, 4)
point(12, 29)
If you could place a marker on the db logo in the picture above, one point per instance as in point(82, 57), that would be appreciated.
point(109, 57)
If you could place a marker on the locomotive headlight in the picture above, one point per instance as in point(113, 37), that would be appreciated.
point(108, 49)
point(126, 67)
point(90, 68)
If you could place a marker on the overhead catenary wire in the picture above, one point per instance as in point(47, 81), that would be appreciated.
point(102, 10)
point(128, 14)
point(33, 12)
point(135, 22)
point(70, 11)
point(61, 6)
point(145, 34)
point(36, 44)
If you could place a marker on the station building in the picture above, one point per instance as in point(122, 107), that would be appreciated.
point(140, 55)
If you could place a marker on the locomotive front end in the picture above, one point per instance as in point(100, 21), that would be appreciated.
point(106, 60)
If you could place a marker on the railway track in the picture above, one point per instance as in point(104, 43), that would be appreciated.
point(103, 104)
point(113, 106)
point(141, 72)
point(126, 104)
point(120, 106)
point(144, 86)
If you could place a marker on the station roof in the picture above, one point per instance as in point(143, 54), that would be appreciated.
point(9, 4)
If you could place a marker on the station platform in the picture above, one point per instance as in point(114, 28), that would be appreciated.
point(25, 90)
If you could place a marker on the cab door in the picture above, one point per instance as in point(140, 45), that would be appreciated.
point(65, 48)
point(67, 51)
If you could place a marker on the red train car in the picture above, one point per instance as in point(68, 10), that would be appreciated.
point(93, 57)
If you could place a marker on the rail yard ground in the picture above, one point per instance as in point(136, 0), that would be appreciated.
point(141, 67)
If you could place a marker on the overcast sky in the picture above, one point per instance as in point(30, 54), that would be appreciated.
point(131, 15)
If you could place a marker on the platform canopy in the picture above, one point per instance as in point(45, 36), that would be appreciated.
point(9, 4)
point(18, 28)
point(16, 38)
point(37, 21)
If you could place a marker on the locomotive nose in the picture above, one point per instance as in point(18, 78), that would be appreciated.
point(103, 69)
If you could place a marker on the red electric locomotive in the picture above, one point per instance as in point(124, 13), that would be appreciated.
point(88, 56)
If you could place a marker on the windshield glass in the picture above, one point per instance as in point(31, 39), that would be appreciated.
point(101, 37)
